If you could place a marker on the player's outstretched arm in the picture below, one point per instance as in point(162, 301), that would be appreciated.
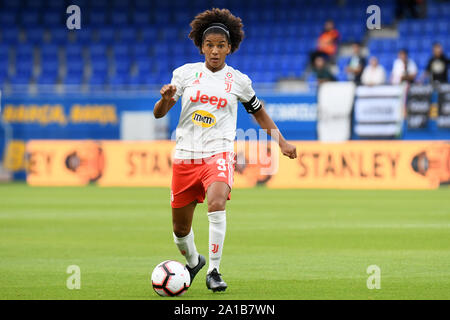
point(166, 102)
point(266, 123)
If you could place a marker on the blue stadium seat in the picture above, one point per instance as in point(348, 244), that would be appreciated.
point(429, 28)
point(182, 18)
point(414, 43)
point(3, 78)
point(106, 35)
point(97, 50)
point(50, 68)
point(74, 49)
point(118, 80)
point(73, 79)
point(122, 66)
point(127, 34)
point(52, 18)
point(135, 80)
point(46, 79)
point(49, 57)
point(119, 18)
point(97, 79)
point(162, 50)
point(29, 18)
point(58, 4)
point(24, 52)
point(443, 27)
point(4, 64)
point(422, 60)
point(142, 4)
point(119, 4)
point(121, 51)
point(10, 35)
point(162, 65)
point(59, 36)
point(386, 60)
point(169, 34)
point(7, 19)
point(140, 50)
point(35, 4)
point(152, 79)
point(11, 4)
point(96, 17)
point(75, 67)
point(98, 4)
point(148, 34)
point(403, 28)
point(84, 35)
point(427, 44)
point(24, 68)
point(100, 65)
point(4, 52)
point(140, 18)
point(374, 46)
point(144, 66)
point(20, 81)
point(390, 45)
point(433, 11)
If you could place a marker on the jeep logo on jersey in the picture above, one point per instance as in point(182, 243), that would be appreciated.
point(213, 100)
point(203, 118)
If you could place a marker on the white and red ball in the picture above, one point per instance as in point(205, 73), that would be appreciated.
point(170, 278)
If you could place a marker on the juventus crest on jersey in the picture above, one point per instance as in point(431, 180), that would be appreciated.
point(209, 101)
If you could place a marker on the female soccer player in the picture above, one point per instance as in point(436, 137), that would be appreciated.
point(204, 158)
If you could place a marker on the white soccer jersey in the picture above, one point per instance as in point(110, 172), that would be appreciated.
point(209, 101)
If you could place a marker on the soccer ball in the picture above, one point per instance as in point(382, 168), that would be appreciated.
point(170, 278)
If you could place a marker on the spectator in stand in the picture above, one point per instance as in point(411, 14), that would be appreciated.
point(404, 68)
point(356, 64)
point(373, 74)
point(410, 9)
point(405, 8)
point(327, 43)
point(322, 71)
point(437, 68)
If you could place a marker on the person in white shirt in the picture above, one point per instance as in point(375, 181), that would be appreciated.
point(373, 74)
point(404, 69)
point(204, 155)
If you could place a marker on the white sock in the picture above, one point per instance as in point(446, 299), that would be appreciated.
point(217, 228)
point(186, 245)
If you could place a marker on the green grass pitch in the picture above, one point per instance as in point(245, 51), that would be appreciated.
point(280, 244)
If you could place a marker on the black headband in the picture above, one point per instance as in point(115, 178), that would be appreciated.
point(220, 26)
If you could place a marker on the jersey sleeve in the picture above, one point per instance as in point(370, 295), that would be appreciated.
point(247, 96)
point(178, 82)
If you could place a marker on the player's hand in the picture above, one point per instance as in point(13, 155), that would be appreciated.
point(288, 150)
point(168, 91)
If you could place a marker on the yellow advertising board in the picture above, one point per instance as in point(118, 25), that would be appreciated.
point(137, 163)
point(350, 165)
point(365, 165)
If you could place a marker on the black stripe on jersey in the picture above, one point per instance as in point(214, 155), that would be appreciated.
point(252, 105)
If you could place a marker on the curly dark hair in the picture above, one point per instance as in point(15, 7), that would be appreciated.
point(202, 21)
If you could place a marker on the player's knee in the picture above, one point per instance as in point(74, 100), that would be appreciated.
point(181, 230)
point(216, 204)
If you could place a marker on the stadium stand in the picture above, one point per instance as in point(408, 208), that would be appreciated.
point(122, 44)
